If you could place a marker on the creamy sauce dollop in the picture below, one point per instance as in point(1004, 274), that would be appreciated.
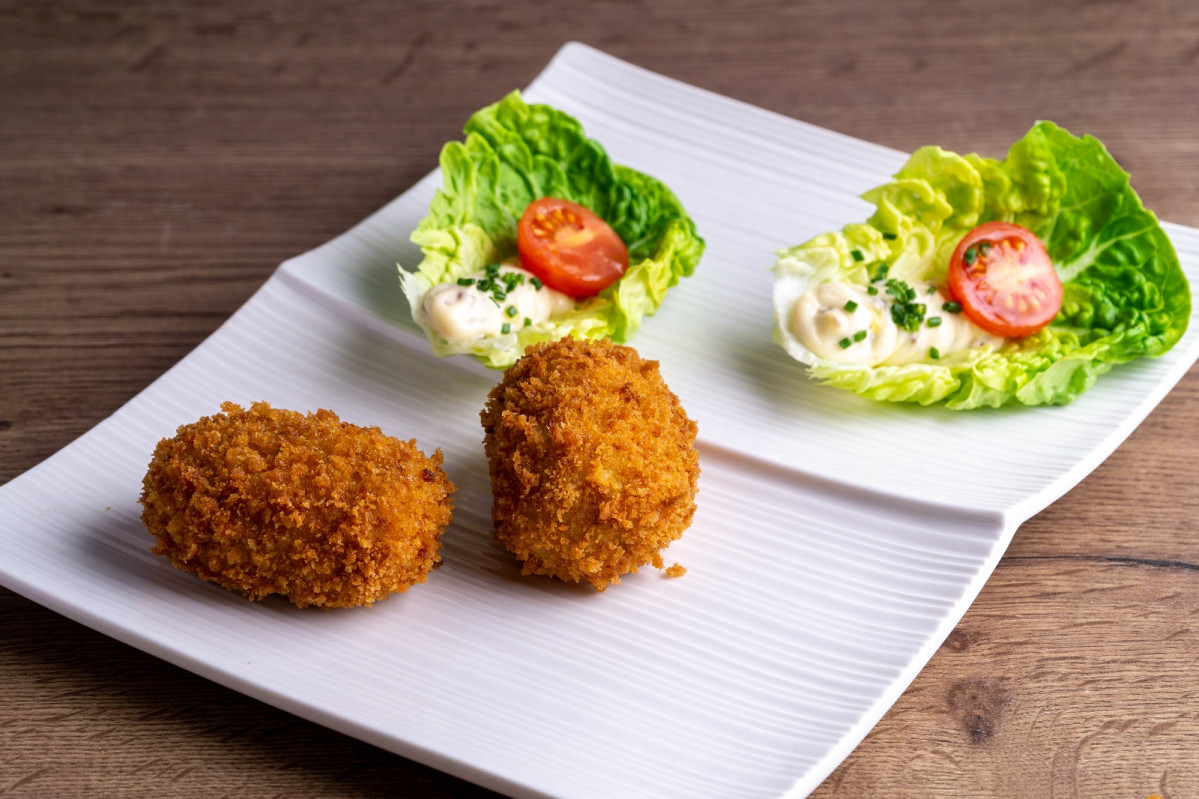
point(828, 316)
point(462, 312)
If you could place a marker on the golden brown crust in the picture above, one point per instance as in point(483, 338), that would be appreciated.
point(270, 501)
point(592, 459)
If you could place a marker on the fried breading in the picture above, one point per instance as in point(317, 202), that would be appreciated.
point(270, 501)
point(592, 459)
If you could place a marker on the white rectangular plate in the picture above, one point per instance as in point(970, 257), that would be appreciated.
point(835, 546)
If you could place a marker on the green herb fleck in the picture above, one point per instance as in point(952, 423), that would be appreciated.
point(890, 236)
point(857, 255)
point(536, 281)
point(512, 280)
point(506, 328)
point(952, 307)
point(934, 321)
point(970, 255)
point(934, 353)
point(851, 306)
point(860, 335)
point(495, 284)
point(900, 290)
point(844, 343)
point(906, 313)
point(880, 272)
point(872, 290)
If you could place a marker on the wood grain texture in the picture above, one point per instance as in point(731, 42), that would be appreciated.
point(158, 160)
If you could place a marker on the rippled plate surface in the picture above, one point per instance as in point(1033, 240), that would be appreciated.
point(834, 547)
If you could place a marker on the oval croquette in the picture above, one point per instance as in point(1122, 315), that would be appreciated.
point(592, 460)
point(270, 501)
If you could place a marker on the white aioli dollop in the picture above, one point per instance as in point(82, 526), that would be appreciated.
point(822, 322)
point(460, 313)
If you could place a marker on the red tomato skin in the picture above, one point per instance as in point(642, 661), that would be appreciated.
point(1027, 294)
point(569, 248)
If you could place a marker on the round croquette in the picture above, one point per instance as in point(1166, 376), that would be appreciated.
point(592, 459)
point(270, 501)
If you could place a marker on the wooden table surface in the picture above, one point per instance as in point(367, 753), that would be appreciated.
point(159, 159)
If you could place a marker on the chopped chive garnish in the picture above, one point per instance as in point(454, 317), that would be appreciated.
point(890, 236)
point(497, 285)
point(984, 247)
point(536, 281)
point(872, 290)
point(952, 307)
point(970, 255)
point(528, 321)
point(859, 336)
point(934, 353)
point(932, 290)
point(844, 343)
point(880, 272)
point(934, 321)
point(506, 328)
point(851, 306)
point(900, 290)
point(905, 312)
point(857, 255)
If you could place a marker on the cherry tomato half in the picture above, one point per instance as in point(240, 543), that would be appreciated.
point(569, 248)
point(1003, 278)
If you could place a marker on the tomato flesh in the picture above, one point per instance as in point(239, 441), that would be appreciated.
point(570, 248)
point(1002, 276)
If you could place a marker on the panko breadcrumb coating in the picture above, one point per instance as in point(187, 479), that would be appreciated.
point(592, 459)
point(270, 501)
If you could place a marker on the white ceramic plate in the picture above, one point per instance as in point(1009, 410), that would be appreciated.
point(835, 546)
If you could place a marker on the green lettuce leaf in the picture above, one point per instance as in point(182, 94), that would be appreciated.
point(515, 153)
point(1125, 295)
